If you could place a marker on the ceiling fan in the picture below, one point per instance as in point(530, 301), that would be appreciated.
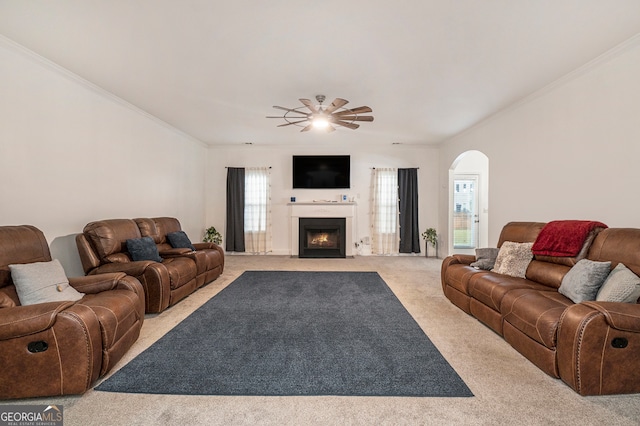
point(319, 116)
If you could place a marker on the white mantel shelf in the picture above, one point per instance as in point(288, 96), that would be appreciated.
point(322, 203)
point(330, 209)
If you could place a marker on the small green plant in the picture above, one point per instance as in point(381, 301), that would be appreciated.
point(431, 236)
point(211, 235)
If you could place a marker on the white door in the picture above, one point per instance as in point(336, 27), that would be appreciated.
point(465, 212)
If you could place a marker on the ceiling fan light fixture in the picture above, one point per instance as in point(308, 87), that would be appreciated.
point(322, 117)
point(320, 122)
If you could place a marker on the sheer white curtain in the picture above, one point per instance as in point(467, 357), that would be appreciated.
point(257, 210)
point(384, 212)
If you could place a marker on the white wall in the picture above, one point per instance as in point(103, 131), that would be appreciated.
point(569, 151)
point(363, 159)
point(71, 153)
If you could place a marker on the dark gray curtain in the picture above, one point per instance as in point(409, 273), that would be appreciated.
point(408, 195)
point(235, 209)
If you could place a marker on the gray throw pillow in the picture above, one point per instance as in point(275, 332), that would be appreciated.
point(584, 279)
point(179, 239)
point(41, 282)
point(485, 258)
point(143, 249)
point(621, 285)
point(513, 259)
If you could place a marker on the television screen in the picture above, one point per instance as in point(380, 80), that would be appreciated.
point(321, 171)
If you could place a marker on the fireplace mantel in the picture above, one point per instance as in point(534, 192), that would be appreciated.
point(297, 210)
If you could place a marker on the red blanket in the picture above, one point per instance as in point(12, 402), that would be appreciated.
point(564, 238)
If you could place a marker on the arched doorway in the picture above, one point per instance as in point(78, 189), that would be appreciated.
point(469, 202)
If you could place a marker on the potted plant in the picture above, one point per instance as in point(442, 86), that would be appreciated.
point(431, 237)
point(211, 235)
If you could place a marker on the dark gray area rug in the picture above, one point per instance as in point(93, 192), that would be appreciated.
point(294, 333)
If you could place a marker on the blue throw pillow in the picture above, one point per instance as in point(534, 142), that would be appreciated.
point(143, 249)
point(179, 239)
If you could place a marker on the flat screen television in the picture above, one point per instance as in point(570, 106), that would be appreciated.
point(321, 171)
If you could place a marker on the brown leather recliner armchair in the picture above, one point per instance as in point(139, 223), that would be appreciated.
point(103, 248)
point(63, 347)
point(209, 257)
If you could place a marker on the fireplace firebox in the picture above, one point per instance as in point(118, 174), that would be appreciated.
point(322, 237)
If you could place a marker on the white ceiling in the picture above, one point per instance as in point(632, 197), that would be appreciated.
point(429, 69)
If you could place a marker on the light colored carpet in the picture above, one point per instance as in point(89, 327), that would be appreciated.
point(508, 389)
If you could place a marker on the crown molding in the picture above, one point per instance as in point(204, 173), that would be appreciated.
point(33, 56)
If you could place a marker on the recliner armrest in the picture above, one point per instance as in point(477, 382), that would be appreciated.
point(621, 316)
point(202, 246)
point(464, 259)
point(153, 276)
point(129, 268)
point(25, 320)
point(92, 284)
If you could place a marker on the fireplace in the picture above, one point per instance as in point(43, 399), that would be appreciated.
point(322, 237)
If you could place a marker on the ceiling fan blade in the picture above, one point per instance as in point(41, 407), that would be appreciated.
point(307, 128)
point(337, 103)
point(309, 105)
point(346, 124)
point(291, 110)
point(291, 122)
point(352, 111)
point(355, 117)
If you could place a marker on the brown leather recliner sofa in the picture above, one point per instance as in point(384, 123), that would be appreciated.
point(61, 347)
point(592, 346)
point(180, 271)
point(209, 257)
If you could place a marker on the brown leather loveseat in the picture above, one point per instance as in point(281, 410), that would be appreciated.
point(174, 274)
point(209, 257)
point(63, 346)
point(593, 346)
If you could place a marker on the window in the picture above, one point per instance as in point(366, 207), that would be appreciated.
point(385, 211)
point(257, 210)
point(256, 184)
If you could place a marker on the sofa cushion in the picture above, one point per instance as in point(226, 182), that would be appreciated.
point(179, 239)
point(621, 285)
point(166, 225)
point(583, 281)
point(489, 288)
point(457, 276)
point(520, 232)
point(485, 258)
point(148, 228)
point(41, 282)
point(182, 271)
point(143, 249)
point(535, 313)
point(109, 236)
point(549, 274)
point(513, 259)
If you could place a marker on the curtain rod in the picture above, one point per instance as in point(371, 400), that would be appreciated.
point(226, 167)
point(417, 168)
